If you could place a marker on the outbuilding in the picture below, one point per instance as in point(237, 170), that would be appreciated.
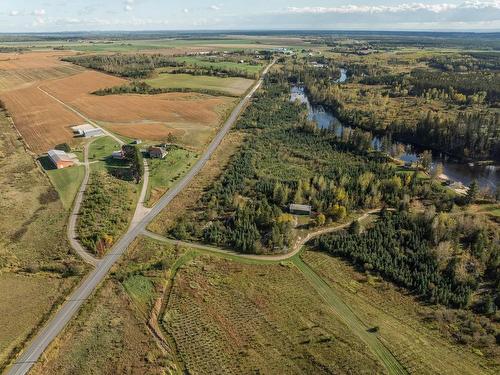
point(79, 129)
point(300, 209)
point(94, 132)
point(60, 159)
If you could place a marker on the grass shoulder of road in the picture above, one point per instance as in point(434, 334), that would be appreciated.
point(67, 182)
point(400, 319)
point(231, 85)
point(164, 173)
point(36, 261)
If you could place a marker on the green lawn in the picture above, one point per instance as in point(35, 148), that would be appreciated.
point(204, 63)
point(67, 181)
point(164, 173)
point(102, 148)
point(232, 85)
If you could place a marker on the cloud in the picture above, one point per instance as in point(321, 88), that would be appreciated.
point(38, 12)
point(185, 10)
point(127, 6)
point(14, 13)
point(400, 8)
point(214, 7)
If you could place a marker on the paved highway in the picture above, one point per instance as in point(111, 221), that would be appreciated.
point(71, 306)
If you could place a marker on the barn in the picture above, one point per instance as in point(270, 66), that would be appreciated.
point(60, 159)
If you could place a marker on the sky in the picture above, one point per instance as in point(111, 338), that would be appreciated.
point(91, 15)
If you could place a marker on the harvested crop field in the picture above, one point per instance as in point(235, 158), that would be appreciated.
point(151, 117)
point(21, 69)
point(42, 121)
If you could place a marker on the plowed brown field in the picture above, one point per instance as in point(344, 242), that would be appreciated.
point(21, 69)
point(192, 117)
point(42, 121)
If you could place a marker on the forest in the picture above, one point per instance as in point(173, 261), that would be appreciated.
point(458, 105)
point(140, 87)
point(285, 160)
point(130, 66)
point(140, 66)
point(439, 256)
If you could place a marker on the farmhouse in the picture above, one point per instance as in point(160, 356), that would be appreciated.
point(156, 152)
point(300, 209)
point(60, 159)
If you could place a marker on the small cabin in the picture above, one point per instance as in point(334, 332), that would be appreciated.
point(300, 209)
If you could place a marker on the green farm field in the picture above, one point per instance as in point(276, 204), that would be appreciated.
point(67, 181)
point(403, 327)
point(165, 172)
point(204, 63)
point(231, 85)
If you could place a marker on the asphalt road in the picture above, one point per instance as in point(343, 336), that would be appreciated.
point(71, 306)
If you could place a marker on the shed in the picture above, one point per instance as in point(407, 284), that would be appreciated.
point(79, 129)
point(300, 209)
point(94, 132)
point(60, 159)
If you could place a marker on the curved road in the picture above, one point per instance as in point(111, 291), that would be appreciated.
point(72, 236)
point(301, 241)
point(71, 306)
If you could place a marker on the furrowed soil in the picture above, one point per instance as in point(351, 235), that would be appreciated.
point(35, 259)
point(266, 316)
point(401, 320)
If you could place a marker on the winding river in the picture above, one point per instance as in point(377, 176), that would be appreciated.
point(488, 176)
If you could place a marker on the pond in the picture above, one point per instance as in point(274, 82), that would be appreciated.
point(488, 176)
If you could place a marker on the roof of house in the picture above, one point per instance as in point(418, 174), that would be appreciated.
point(300, 207)
point(57, 156)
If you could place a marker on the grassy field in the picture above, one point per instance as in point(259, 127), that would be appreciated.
point(34, 255)
point(401, 320)
point(204, 63)
point(232, 85)
point(102, 148)
point(67, 181)
point(105, 338)
point(265, 315)
point(164, 173)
